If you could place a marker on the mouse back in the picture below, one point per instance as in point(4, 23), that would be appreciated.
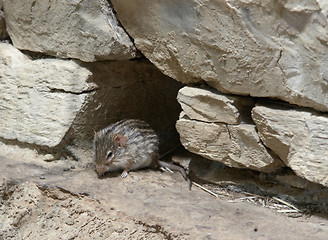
point(125, 145)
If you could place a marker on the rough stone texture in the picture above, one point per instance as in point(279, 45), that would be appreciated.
point(40, 98)
point(259, 48)
point(284, 184)
point(45, 101)
point(38, 200)
point(87, 30)
point(324, 6)
point(129, 89)
point(298, 136)
point(234, 145)
point(211, 106)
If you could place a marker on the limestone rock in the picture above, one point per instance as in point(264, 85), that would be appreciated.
point(211, 106)
point(39, 99)
point(87, 30)
point(45, 101)
point(286, 185)
point(234, 145)
point(298, 136)
point(324, 6)
point(236, 46)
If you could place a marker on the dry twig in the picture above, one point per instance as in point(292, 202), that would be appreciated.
point(205, 189)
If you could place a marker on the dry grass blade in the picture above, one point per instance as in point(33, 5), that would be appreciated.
point(205, 189)
point(287, 211)
point(281, 206)
point(286, 203)
point(166, 169)
point(248, 199)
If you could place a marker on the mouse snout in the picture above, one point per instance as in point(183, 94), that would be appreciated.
point(101, 170)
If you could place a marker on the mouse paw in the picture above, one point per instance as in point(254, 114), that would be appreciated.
point(124, 174)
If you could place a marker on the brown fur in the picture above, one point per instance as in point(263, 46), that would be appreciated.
point(126, 145)
point(129, 145)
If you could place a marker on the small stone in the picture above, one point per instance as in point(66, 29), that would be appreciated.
point(69, 222)
point(209, 105)
point(233, 145)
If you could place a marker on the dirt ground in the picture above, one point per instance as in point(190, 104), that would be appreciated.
point(42, 199)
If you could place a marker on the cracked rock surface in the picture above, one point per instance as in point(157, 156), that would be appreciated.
point(262, 49)
point(50, 101)
point(218, 127)
point(298, 136)
point(85, 30)
point(47, 91)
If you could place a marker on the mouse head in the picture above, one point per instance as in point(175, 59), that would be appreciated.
point(107, 147)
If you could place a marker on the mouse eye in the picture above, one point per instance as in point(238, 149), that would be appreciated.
point(109, 155)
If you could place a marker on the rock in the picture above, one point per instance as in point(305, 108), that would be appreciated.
point(39, 99)
point(297, 182)
point(205, 128)
point(236, 46)
point(324, 6)
point(46, 100)
point(298, 137)
point(87, 30)
point(128, 89)
point(284, 185)
point(233, 145)
point(211, 106)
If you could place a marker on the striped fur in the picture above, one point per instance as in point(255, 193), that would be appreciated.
point(140, 151)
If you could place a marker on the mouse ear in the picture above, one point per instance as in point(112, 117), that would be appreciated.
point(120, 140)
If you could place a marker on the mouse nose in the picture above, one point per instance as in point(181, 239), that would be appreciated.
point(101, 170)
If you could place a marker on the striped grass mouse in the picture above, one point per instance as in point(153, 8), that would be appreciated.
point(128, 145)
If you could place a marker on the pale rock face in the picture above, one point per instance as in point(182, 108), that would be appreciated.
point(210, 125)
point(259, 48)
point(299, 137)
point(39, 99)
point(47, 100)
point(211, 106)
point(233, 145)
point(86, 30)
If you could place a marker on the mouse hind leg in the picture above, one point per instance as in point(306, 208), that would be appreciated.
point(154, 164)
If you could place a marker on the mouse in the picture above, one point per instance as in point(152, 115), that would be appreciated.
point(129, 145)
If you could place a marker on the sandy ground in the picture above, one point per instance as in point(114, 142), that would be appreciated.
point(65, 200)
